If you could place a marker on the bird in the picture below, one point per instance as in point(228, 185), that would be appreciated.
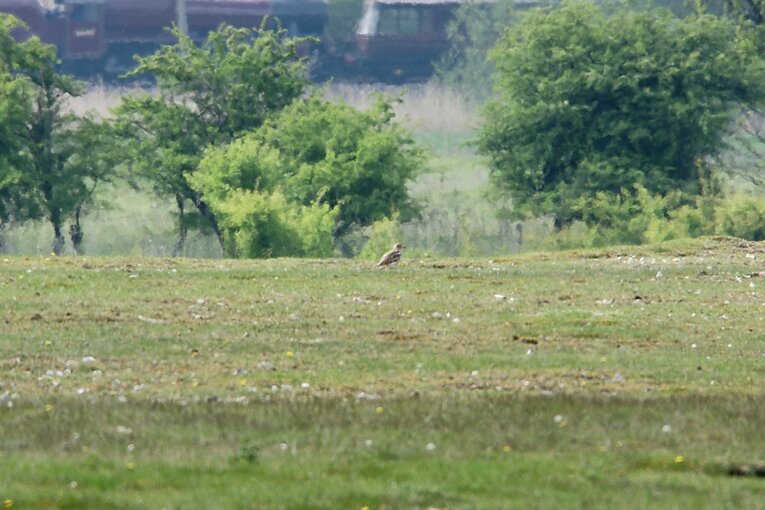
point(391, 257)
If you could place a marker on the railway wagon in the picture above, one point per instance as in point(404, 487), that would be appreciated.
point(103, 35)
point(399, 40)
point(396, 40)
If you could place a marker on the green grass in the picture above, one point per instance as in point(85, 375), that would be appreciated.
point(531, 381)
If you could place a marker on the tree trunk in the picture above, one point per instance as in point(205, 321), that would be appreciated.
point(75, 233)
point(207, 214)
point(519, 231)
point(58, 236)
point(182, 228)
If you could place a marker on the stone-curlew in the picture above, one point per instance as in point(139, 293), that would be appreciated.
point(392, 257)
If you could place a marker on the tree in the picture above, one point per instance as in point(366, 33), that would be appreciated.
point(207, 96)
point(51, 160)
point(15, 109)
point(593, 102)
point(334, 167)
point(51, 144)
point(88, 151)
point(11, 112)
point(357, 162)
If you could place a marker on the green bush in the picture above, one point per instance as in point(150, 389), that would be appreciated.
point(598, 98)
point(245, 163)
point(260, 224)
point(646, 218)
point(640, 217)
point(313, 173)
point(357, 162)
point(684, 222)
point(741, 216)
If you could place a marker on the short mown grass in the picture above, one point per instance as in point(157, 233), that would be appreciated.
point(623, 378)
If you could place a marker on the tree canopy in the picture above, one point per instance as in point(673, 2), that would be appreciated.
point(334, 167)
point(208, 94)
point(593, 101)
point(49, 157)
point(15, 109)
point(272, 169)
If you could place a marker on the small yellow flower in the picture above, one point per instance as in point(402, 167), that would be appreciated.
point(242, 382)
point(290, 354)
point(8, 503)
point(194, 384)
point(409, 312)
point(679, 459)
point(130, 466)
point(603, 359)
point(48, 408)
point(506, 449)
point(379, 409)
point(364, 507)
point(85, 449)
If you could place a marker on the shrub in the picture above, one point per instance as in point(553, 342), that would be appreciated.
point(594, 98)
point(358, 162)
point(741, 216)
point(315, 172)
point(261, 224)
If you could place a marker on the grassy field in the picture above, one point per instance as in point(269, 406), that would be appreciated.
point(624, 378)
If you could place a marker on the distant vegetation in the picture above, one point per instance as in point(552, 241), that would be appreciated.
point(618, 124)
point(657, 135)
point(50, 160)
point(302, 171)
point(600, 112)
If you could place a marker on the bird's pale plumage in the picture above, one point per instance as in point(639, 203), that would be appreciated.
point(391, 257)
